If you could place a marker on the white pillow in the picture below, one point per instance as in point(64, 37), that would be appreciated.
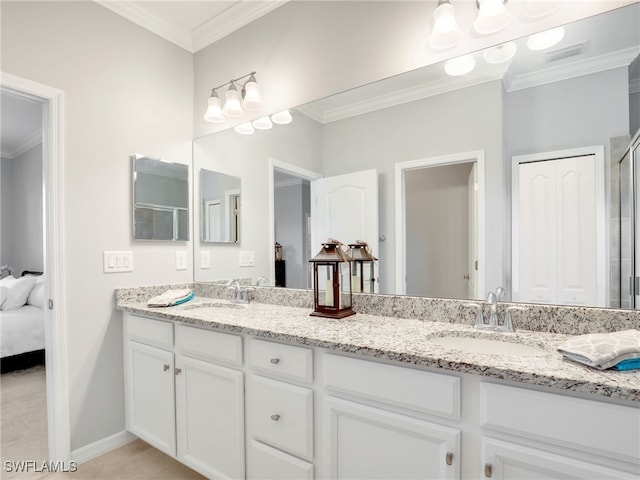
point(18, 291)
point(4, 293)
point(36, 297)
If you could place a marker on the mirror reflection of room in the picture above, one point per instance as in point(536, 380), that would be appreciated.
point(220, 207)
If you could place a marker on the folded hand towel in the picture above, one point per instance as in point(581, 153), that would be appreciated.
point(603, 350)
point(170, 298)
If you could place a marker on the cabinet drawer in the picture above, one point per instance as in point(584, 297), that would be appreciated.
point(281, 415)
point(209, 345)
point(150, 331)
point(286, 361)
point(588, 425)
point(407, 388)
point(266, 463)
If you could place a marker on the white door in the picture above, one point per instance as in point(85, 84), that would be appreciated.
point(150, 396)
point(345, 208)
point(210, 418)
point(213, 220)
point(636, 221)
point(472, 192)
point(364, 442)
point(558, 233)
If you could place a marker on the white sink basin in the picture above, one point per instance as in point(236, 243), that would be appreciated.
point(488, 346)
point(213, 303)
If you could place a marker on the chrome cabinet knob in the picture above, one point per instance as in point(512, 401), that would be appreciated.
point(275, 417)
point(275, 361)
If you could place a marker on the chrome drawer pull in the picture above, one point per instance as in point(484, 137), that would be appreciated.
point(166, 367)
point(275, 361)
point(488, 470)
point(275, 417)
point(178, 371)
point(449, 458)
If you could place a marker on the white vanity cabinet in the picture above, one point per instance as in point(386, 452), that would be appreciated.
point(280, 413)
point(185, 394)
point(530, 434)
point(374, 421)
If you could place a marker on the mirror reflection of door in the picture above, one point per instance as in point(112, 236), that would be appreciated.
point(213, 219)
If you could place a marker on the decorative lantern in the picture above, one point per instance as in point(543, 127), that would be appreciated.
point(278, 251)
point(363, 278)
point(332, 281)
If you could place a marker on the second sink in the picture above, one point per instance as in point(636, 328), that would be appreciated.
point(487, 346)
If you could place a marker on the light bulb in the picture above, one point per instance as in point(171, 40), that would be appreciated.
point(492, 17)
point(446, 33)
point(232, 107)
point(263, 123)
point(500, 53)
point(244, 128)
point(214, 109)
point(460, 65)
point(546, 39)
point(251, 95)
point(281, 118)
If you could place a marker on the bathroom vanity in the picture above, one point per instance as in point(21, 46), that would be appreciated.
point(265, 391)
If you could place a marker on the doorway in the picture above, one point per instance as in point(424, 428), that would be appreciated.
point(440, 226)
point(52, 101)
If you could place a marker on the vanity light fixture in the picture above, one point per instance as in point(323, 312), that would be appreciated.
point(500, 53)
point(492, 16)
point(235, 103)
point(445, 33)
point(546, 39)
point(282, 118)
point(460, 65)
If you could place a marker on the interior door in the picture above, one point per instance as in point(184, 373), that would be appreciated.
point(345, 207)
point(472, 192)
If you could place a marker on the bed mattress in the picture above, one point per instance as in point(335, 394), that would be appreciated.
point(21, 330)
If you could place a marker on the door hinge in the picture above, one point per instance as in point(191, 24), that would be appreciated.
point(50, 304)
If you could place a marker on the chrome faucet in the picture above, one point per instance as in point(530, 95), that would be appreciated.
point(239, 294)
point(493, 323)
point(262, 280)
point(492, 300)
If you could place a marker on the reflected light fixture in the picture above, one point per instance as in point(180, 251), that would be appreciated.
point(546, 39)
point(263, 123)
point(460, 65)
point(492, 16)
point(244, 128)
point(282, 118)
point(500, 53)
point(445, 33)
point(235, 103)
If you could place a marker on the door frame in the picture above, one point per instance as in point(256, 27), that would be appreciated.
point(52, 99)
point(289, 168)
point(602, 241)
point(474, 156)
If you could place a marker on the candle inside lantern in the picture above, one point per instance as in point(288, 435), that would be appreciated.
point(355, 284)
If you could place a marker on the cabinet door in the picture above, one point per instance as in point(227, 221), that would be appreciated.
point(210, 414)
point(150, 396)
point(370, 443)
point(266, 463)
point(502, 461)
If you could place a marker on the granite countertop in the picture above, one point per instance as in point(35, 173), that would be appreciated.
point(404, 340)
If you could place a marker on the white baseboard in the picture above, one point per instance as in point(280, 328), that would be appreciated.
point(95, 449)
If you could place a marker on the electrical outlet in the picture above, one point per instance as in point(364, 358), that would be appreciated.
point(205, 260)
point(247, 258)
point(181, 260)
point(117, 262)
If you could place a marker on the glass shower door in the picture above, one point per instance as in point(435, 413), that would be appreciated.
point(630, 227)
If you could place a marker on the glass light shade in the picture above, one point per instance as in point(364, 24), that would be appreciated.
point(281, 118)
point(263, 123)
point(546, 39)
point(459, 65)
point(214, 110)
point(244, 128)
point(500, 53)
point(540, 8)
point(252, 99)
point(232, 107)
point(446, 33)
point(492, 17)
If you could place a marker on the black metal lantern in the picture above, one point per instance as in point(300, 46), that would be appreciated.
point(363, 278)
point(332, 281)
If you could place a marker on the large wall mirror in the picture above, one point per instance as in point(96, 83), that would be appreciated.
point(160, 199)
point(446, 150)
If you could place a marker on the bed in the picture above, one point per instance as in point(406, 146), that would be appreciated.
point(22, 337)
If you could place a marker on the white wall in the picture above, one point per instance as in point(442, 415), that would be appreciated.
point(126, 91)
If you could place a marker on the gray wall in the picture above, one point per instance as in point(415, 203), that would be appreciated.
point(126, 91)
point(21, 213)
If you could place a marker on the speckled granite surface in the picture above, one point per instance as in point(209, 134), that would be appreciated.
point(387, 335)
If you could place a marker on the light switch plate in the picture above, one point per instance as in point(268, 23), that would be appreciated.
point(181, 260)
point(205, 260)
point(117, 262)
point(247, 258)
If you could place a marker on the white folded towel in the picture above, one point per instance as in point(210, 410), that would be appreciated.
point(170, 298)
point(603, 350)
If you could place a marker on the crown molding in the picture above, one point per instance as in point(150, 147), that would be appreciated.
point(232, 19)
point(578, 68)
point(153, 23)
point(27, 143)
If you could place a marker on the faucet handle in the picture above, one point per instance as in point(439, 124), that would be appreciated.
point(499, 293)
point(507, 326)
point(479, 316)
